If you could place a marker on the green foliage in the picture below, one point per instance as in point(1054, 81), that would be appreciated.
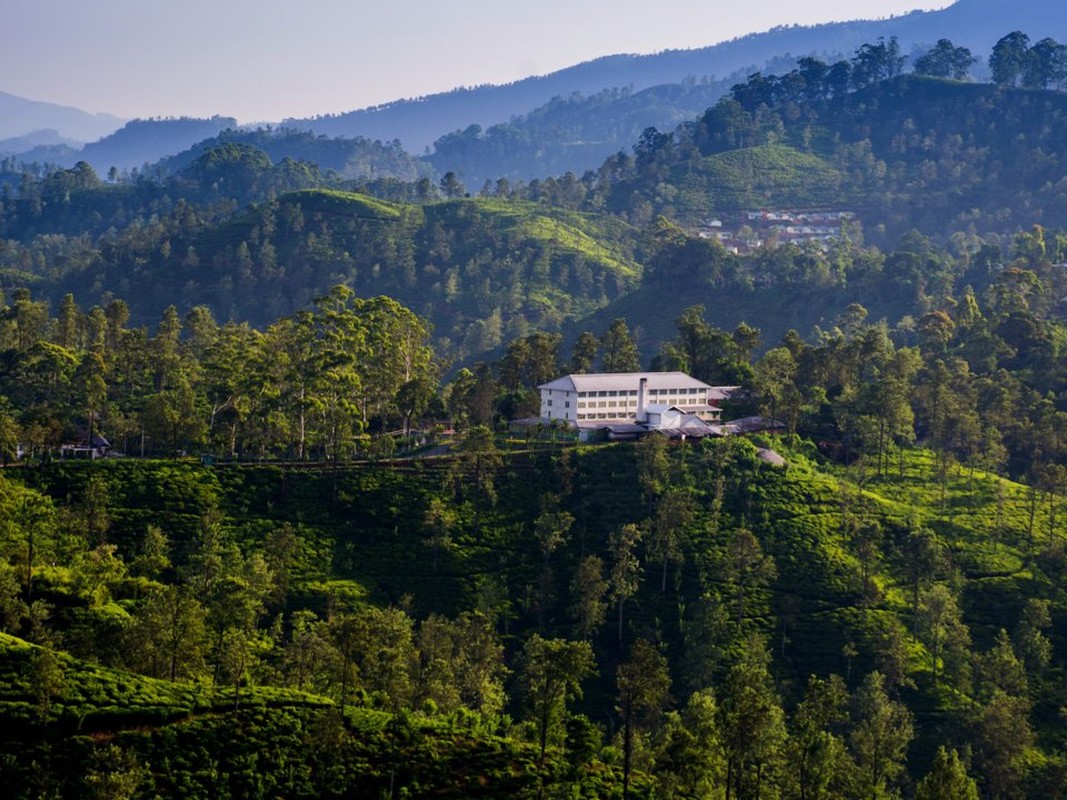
point(771, 175)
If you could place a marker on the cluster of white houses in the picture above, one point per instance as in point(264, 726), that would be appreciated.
point(622, 405)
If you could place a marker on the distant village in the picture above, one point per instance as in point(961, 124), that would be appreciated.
point(750, 230)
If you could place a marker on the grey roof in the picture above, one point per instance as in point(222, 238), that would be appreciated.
point(752, 425)
point(625, 381)
point(620, 427)
point(771, 457)
point(722, 392)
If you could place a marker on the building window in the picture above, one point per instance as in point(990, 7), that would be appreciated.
point(567, 404)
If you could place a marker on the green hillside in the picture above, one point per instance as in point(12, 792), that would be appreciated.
point(840, 599)
point(908, 152)
point(479, 270)
point(765, 176)
point(72, 729)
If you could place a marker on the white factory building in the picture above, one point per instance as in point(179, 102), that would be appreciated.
point(644, 401)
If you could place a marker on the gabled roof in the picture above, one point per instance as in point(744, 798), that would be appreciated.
point(625, 381)
point(661, 408)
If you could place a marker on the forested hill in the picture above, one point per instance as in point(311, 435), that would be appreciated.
point(480, 270)
point(145, 141)
point(570, 134)
point(350, 159)
point(909, 152)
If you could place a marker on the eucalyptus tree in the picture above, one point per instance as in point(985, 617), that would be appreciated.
point(1046, 65)
point(669, 529)
point(643, 685)
point(752, 724)
point(882, 730)
point(625, 569)
point(1008, 60)
point(819, 764)
point(618, 352)
point(945, 60)
point(589, 590)
point(551, 675)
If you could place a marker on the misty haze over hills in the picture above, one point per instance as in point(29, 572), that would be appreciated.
point(419, 123)
point(975, 24)
point(20, 117)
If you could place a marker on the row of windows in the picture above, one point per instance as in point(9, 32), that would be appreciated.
point(651, 392)
point(601, 415)
point(619, 403)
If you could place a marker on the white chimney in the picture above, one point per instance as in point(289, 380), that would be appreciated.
point(641, 416)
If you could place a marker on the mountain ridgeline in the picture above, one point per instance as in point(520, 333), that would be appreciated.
point(975, 24)
point(557, 122)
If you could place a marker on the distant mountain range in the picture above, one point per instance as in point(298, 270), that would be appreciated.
point(20, 117)
point(417, 123)
point(568, 109)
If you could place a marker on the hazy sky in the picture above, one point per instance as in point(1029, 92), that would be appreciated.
point(262, 60)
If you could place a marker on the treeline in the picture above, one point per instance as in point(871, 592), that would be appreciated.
point(307, 386)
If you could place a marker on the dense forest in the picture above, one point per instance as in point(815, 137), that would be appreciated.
point(319, 561)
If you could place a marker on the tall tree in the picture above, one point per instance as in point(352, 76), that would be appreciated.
point(745, 570)
point(589, 589)
point(643, 684)
point(618, 353)
point(1009, 57)
point(584, 353)
point(689, 760)
point(752, 723)
point(551, 675)
point(473, 472)
point(551, 530)
point(1046, 65)
point(944, 632)
point(947, 779)
point(819, 763)
point(1002, 736)
point(674, 516)
point(880, 737)
point(945, 60)
point(625, 568)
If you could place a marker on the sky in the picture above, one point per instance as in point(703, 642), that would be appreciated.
point(265, 60)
